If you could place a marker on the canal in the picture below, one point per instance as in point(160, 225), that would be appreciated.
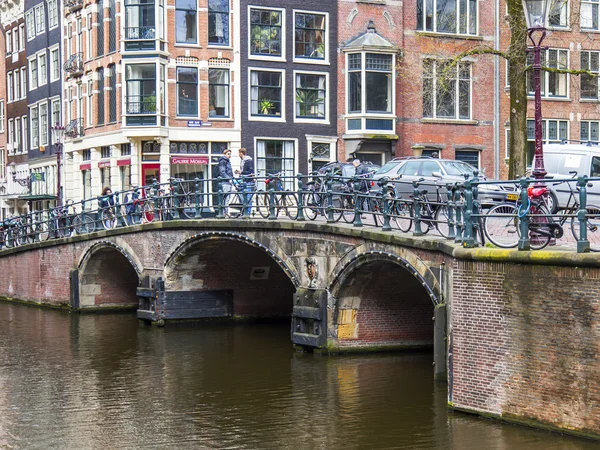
point(104, 381)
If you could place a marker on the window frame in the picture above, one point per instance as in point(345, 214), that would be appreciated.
point(30, 23)
point(591, 69)
point(228, 108)
point(545, 134)
point(2, 115)
point(305, 59)
point(177, 85)
point(43, 124)
point(34, 127)
point(40, 19)
point(288, 183)
point(323, 121)
point(266, 57)
point(567, 25)
point(9, 43)
point(267, 117)
point(457, 92)
point(33, 73)
point(22, 37)
point(469, 150)
point(422, 27)
point(178, 10)
point(220, 12)
point(42, 74)
point(52, 14)
point(591, 3)
point(10, 91)
point(588, 137)
point(545, 76)
point(54, 67)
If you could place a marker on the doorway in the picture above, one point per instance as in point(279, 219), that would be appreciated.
point(149, 173)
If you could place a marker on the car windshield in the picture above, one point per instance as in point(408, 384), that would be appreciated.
point(349, 171)
point(457, 168)
point(388, 166)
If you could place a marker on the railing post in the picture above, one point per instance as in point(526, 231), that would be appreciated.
point(175, 190)
point(328, 185)
point(458, 203)
point(82, 213)
point(154, 197)
point(386, 207)
point(220, 207)
point(98, 214)
point(523, 224)
point(468, 240)
point(300, 217)
point(357, 203)
point(476, 209)
point(120, 219)
point(272, 215)
point(450, 202)
point(583, 244)
point(197, 194)
point(417, 209)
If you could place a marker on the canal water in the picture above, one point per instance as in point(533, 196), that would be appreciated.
point(104, 381)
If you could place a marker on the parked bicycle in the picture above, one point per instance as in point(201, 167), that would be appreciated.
point(284, 201)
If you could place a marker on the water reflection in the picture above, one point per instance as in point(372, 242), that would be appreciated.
point(105, 381)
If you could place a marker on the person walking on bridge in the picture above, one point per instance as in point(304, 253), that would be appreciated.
point(247, 173)
point(225, 171)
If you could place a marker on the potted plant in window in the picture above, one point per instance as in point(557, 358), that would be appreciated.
point(149, 104)
point(265, 106)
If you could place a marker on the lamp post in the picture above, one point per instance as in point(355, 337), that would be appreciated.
point(536, 16)
point(58, 133)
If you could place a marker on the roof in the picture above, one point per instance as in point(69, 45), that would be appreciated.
point(370, 40)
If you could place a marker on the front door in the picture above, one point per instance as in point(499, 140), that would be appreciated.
point(150, 172)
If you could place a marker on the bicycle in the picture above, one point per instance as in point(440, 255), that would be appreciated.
point(283, 199)
point(186, 202)
point(108, 216)
point(501, 222)
point(317, 200)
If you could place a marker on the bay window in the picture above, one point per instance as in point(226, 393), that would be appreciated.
point(140, 24)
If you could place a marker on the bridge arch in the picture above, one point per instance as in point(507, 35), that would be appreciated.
point(108, 275)
point(382, 300)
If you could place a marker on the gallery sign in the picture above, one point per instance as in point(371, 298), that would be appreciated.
point(189, 159)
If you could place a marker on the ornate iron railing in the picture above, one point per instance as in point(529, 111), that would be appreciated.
point(74, 128)
point(74, 64)
point(73, 5)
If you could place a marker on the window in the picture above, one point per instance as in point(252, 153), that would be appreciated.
point(310, 96)
point(186, 21)
point(33, 73)
point(187, 91)
point(320, 155)
point(9, 43)
point(265, 93)
point(43, 124)
point(2, 114)
point(15, 41)
point(88, 103)
point(10, 92)
point(218, 90)
point(310, 35)
point(30, 22)
point(17, 85)
point(112, 26)
point(218, 22)
point(34, 128)
point(446, 97)
point(18, 131)
point(559, 14)
point(553, 131)
point(55, 118)
point(2, 170)
point(276, 156)
point(589, 84)
point(52, 14)
point(100, 94)
point(589, 131)
point(552, 84)
point(25, 137)
point(468, 156)
point(54, 65)
point(21, 37)
point(447, 16)
point(139, 19)
point(23, 82)
point(86, 183)
point(112, 94)
point(43, 70)
point(265, 32)
point(589, 14)
point(86, 155)
point(374, 83)
point(40, 22)
point(140, 82)
point(105, 152)
point(11, 132)
point(126, 149)
point(100, 29)
point(79, 37)
point(88, 38)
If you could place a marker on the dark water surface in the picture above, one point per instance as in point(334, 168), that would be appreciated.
point(107, 382)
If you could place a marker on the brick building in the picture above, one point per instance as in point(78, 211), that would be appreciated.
point(3, 155)
point(16, 114)
point(149, 91)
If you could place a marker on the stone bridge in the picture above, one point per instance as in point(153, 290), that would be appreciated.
point(516, 334)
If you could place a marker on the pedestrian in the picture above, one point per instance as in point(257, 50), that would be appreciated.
point(225, 172)
point(247, 173)
point(106, 198)
point(130, 201)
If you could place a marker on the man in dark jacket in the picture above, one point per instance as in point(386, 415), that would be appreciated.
point(225, 171)
point(247, 174)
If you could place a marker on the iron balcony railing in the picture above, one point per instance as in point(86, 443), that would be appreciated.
point(73, 5)
point(74, 64)
point(140, 104)
point(140, 32)
point(74, 129)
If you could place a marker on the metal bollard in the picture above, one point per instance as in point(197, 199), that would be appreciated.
point(300, 217)
point(357, 202)
point(583, 244)
point(468, 240)
point(450, 202)
point(386, 208)
point(272, 215)
point(417, 210)
point(524, 243)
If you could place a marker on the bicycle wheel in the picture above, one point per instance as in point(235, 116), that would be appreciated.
point(262, 203)
point(83, 224)
point(538, 241)
point(42, 231)
point(441, 221)
point(347, 204)
point(109, 221)
point(148, 214)
point(592, 226)
point(187, 206)
point(401, 217)
point(235, 205)
point(374, 207)
point(289, 205)
point(311, 208)
point(336, 207)
point(501, 225)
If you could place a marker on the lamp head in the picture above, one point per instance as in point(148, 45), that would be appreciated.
point(537, 12)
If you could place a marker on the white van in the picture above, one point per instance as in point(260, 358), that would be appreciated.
point(560, 160)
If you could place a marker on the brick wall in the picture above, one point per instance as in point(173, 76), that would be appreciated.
point(525, 343)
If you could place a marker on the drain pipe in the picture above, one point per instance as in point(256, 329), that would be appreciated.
point(497, 93)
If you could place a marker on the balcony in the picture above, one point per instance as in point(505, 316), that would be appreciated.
point(74, 129)
point(140, 38)
point(73, 5)
point(141, 110)
point(74, 65)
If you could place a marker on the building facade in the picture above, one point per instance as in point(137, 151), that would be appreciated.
point(149, 91)
point(44, 69)
point(3, 153)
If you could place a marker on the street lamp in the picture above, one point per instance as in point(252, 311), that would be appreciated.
point(536, 15)
point(20, 181)
point(58, 133)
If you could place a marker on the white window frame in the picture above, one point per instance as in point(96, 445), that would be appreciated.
point(567, 16)
point(588, 138)
point(35, 129)
point(287, 183)
point(259, 118)
point(314, 139)
point(545, 76)
point(40, 19)
point(9, 43)
point(43, 123)
point(591, 69)
point(457, 101)
point(30, 22)
point(11, 134)
point(88, 35)
point(10, 91)
point(422, 27)
point(52, 14)
point(33, 79)
point(42, 68)
point(324, 120)
point(2, 115)
point(89, 102)
point(55, 112)
point(586, 24)
point(17, 135)
point(281, 58)
point(24, 82)
point(22, 37)
point(54, 68)
point(304, 60)
point(17, 85)
point(545, 132)
point(25, 125)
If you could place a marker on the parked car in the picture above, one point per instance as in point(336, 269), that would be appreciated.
point(562, 160)
point(440, 172)
point(345, 170)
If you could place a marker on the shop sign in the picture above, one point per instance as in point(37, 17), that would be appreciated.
point(124, 162)
point(86, 166)
point(38, 176)
point(189, 159)
point(194, 123)
point(103, 164)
